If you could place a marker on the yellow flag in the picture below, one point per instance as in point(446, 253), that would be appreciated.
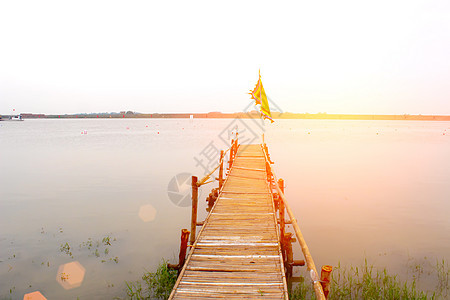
point(259, 95)
point(256, 93)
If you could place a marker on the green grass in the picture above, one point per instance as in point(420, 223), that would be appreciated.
point(367, 282)
point(443, 278)
point(157, 285)
point(362, 282)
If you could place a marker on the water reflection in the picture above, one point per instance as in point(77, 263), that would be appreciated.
point(147, 213)
point(70, 275)
point(354, 192)
point(34, 296)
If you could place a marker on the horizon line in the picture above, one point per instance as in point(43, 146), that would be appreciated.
point(253, 112)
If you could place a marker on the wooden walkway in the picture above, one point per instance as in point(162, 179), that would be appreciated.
point(237, 253)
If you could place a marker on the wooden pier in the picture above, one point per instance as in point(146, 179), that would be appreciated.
point(239, 251)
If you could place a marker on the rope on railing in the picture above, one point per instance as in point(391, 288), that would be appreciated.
point(207, 176)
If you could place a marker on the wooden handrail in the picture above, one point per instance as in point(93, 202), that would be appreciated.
point(308, 258)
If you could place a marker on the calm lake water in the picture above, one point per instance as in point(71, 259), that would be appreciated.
point(360, 189)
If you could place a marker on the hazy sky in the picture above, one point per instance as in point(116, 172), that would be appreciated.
point(384, 57)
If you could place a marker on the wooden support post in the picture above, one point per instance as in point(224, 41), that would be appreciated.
point(281, 210)
point(325, 278)
point(232, 148)
point(221, 170)
point(194, 209)
point(230, 161)
point(289, 259)
point(266, 150)
point(268, 168)
point(211, 199)
point(276, 202)
point(183, 249)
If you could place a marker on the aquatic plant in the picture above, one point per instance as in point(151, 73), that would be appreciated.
point(443, 278)
point(367, 282)
point(157, 285)
point(95, 247)
point(66, 249)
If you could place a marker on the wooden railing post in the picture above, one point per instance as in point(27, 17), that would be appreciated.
point(211, 199)
point(221, 170)
point(289, 258)
point(194, 209)
point(325, 278)
point(230, 161)
point(281, 210)
point(183, 249)
point(269, 173)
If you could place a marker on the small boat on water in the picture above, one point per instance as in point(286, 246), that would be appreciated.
point(16, 118)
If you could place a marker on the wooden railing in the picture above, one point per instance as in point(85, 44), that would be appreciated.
point(318, 289)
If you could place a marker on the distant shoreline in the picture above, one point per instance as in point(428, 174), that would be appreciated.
point(242, 115)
